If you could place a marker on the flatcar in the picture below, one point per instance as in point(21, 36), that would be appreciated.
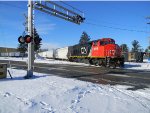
point(102, 52)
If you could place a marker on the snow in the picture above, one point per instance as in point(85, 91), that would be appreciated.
point(138, 66)
point(42, 60)
point(50, 94)
point(128, 65)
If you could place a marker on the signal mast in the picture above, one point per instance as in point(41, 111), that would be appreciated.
point(53, 9)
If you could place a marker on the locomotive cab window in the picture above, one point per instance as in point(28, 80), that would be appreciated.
point(101, 43)
point(112, 41)
point(104, 43)
point(95, 43)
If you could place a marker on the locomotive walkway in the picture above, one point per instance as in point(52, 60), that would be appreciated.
point(100, 75)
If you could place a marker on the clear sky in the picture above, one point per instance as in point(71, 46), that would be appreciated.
point(122, 21)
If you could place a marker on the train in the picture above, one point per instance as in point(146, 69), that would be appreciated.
point(102, 52)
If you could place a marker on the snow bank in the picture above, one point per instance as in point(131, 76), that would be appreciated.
point(40, 59)
point(128, 65)
point(138, 66)
point(48, 93)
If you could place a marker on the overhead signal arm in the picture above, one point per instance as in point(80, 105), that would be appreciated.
point(54, 9)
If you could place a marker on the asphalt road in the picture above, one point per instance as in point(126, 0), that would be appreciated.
point(101, 75)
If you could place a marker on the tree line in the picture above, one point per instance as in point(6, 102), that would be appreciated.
point(85, 38)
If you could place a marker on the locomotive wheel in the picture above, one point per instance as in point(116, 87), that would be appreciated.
point(90, 61)
point(100, 62)
point(103, 62)
point(114, 65)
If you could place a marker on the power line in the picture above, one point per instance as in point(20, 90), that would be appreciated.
point(99, 25)
point(112, 23)
point(117, 28)
point(71, 6)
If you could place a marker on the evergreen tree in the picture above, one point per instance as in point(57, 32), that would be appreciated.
point(38, 39)
point(85, 38)
point(136, 46)
point(147, 49)
point(124, 47)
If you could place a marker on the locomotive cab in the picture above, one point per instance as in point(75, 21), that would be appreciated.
point(105, 51)
point(105, 47)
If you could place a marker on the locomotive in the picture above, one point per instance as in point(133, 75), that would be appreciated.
point(102, 52)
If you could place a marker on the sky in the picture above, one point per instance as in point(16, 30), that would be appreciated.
point(124, 21)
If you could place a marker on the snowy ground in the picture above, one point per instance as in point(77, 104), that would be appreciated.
point(42, 60)
point(128, 65)
point(138, 66)
point(51, 94)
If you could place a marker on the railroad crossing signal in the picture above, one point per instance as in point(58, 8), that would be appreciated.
point(26, 39)
point(53, 9)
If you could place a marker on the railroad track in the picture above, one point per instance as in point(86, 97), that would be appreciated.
point(99, 75)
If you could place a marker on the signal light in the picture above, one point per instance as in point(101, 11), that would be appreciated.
point(28, 38)
point(21, 40)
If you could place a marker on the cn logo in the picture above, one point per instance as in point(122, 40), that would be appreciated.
point(83, 50)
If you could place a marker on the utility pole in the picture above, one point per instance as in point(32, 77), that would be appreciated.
point(31, 44)
point(149, 41)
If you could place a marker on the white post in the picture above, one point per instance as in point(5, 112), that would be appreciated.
point(31, 44)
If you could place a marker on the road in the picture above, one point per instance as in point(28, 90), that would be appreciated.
point(101, 75)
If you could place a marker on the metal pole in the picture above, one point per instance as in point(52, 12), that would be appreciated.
point(30, 45)
point(149, 49)
point(149, 41)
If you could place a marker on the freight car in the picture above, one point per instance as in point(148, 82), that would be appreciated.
point(103, 52)
point(61, 53)
point(134, 56)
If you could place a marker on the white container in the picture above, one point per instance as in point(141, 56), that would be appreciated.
point(61, 53)
point(46, 54)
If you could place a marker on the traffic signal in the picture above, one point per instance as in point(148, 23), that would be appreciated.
point(21, 40)
point(26, 39)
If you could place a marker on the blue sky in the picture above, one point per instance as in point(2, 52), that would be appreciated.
point(56, 32)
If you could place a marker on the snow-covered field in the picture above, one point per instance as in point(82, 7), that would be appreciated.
point(128, 65)
point(42, 60)
point(138, 66)
point(50, 94)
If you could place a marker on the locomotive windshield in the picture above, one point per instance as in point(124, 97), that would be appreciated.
point(112, 41)
point(107, 42)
